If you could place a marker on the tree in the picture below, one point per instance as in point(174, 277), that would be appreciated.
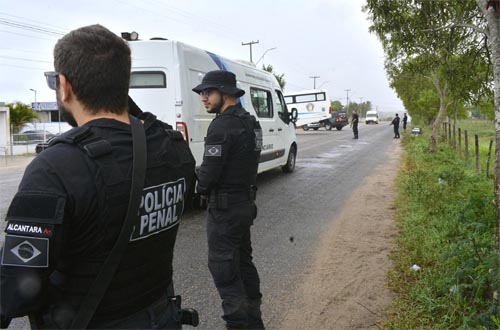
point(279, 77)
point(336, 105)
point(471, 35)
point(491, 12)
point(20, 114)
point(423, 37)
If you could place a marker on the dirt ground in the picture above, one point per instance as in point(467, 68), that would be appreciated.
point(347, 286)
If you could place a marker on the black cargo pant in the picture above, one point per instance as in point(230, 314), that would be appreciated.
point(163, 314)
point(231, 266)
point(396, 132)
point(355, 130)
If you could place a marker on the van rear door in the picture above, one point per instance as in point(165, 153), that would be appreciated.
point(151, 89)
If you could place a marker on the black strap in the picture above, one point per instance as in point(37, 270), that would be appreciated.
point(101, 283)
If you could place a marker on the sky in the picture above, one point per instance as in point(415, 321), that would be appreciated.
point(324, 38)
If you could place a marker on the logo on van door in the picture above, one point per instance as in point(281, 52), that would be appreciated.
point(258, 139)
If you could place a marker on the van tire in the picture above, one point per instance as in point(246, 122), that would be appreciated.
point(305, 128)
point(290, 163)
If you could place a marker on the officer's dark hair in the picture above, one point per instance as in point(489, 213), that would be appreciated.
point(96, 62)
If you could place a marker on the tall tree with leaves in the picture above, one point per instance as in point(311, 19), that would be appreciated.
point(20, 114)
point(473, 30)
point(423, 36)
point(491, 11)
point(279, 77)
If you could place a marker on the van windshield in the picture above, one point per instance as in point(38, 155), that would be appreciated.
point(148, 79)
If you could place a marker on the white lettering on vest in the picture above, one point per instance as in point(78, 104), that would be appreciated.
point(161, 208)
point(24, 228)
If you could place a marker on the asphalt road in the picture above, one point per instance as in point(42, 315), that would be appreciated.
point(293, 210)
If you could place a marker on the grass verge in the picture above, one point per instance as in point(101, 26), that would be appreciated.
point(446, 219)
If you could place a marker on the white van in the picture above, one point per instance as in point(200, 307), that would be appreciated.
point(313, 106)
point(163, 74)
point(371, 117)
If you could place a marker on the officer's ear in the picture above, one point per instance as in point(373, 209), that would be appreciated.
point(65, 88)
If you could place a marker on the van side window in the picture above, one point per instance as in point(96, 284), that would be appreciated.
point(148, 79)
point(281, 107)
point(262, 102)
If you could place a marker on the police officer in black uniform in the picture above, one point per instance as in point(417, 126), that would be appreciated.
point(354, 124)
point(395, 123)
point(72, 201)
point(227, 177)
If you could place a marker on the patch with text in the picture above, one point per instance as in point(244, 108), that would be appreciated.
point(161, 209)
point(31, 229)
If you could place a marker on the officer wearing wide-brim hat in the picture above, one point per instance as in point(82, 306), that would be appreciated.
point(227, 177)
point(222, 81)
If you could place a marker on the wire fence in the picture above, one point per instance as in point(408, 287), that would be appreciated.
point(454, 137)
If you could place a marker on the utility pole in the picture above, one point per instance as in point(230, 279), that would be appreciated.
point(314, 77)
point(250, 44)
point(361, 106)
point(347, 104)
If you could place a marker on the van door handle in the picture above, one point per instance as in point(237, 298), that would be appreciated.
point(280, 129)
point(271, 130)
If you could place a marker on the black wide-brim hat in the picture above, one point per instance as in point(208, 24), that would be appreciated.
point(224, 81)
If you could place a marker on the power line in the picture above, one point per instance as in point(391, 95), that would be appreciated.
point(61, 29)
point(29, 27)
point(23, 59)
point(24, 67)
point(27, 36)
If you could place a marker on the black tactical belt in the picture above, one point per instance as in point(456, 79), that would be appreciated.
point(222, 199)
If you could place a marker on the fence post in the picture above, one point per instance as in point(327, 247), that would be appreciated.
point(449, 134)
point(459, 143)
point(466, 137)
point(476, 142)
point(489, 158)
point(454, 137)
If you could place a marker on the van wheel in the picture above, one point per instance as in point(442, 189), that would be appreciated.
point(328, 126)
point(305, 128)
point(290, 163)
point(339, 128)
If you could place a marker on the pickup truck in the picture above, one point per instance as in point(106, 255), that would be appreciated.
point(337, 119)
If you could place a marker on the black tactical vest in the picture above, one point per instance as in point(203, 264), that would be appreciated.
point(145, 271)
point(242, 170)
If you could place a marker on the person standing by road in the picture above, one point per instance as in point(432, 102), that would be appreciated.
point(227, 177)
point(74, 198)
point(405, 120)
point(395, 123)
point(354, 124)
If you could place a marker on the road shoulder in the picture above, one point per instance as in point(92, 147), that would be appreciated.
point(346, 287)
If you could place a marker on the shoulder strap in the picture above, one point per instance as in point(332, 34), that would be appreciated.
point(101, 283)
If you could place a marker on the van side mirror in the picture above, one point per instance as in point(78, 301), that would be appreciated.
point(293, 115)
